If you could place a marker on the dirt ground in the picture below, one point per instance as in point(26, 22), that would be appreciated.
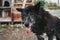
point(15, 33)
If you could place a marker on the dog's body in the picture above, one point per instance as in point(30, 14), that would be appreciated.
point(41, 21)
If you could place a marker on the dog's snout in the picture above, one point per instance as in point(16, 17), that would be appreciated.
point(26, 24)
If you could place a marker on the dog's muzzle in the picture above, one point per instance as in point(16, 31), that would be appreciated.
point(26, 24)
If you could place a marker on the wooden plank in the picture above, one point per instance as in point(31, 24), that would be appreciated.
point(8, 19)
point(5, 7)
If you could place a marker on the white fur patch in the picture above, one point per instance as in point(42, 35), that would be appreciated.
point(44, 35)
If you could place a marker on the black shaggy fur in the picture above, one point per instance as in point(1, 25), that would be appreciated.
point(41, 21)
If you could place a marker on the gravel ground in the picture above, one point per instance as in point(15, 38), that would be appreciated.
point(15, 33)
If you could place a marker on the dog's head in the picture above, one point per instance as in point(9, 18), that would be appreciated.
point(30, 14)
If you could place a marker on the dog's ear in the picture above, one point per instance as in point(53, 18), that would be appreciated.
point(19, 9)
point(37, 6)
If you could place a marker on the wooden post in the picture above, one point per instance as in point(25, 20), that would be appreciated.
point(58, 1)
point(24, 3)
point(33, 1)
point(12, 6)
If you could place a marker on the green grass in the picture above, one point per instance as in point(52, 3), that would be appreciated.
point(54, 8)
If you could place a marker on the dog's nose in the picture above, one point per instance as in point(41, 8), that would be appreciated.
point(26, 24)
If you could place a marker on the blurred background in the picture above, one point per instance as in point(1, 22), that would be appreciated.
point(11, 25)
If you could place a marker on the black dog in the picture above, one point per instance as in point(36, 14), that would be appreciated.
point(41, 21)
